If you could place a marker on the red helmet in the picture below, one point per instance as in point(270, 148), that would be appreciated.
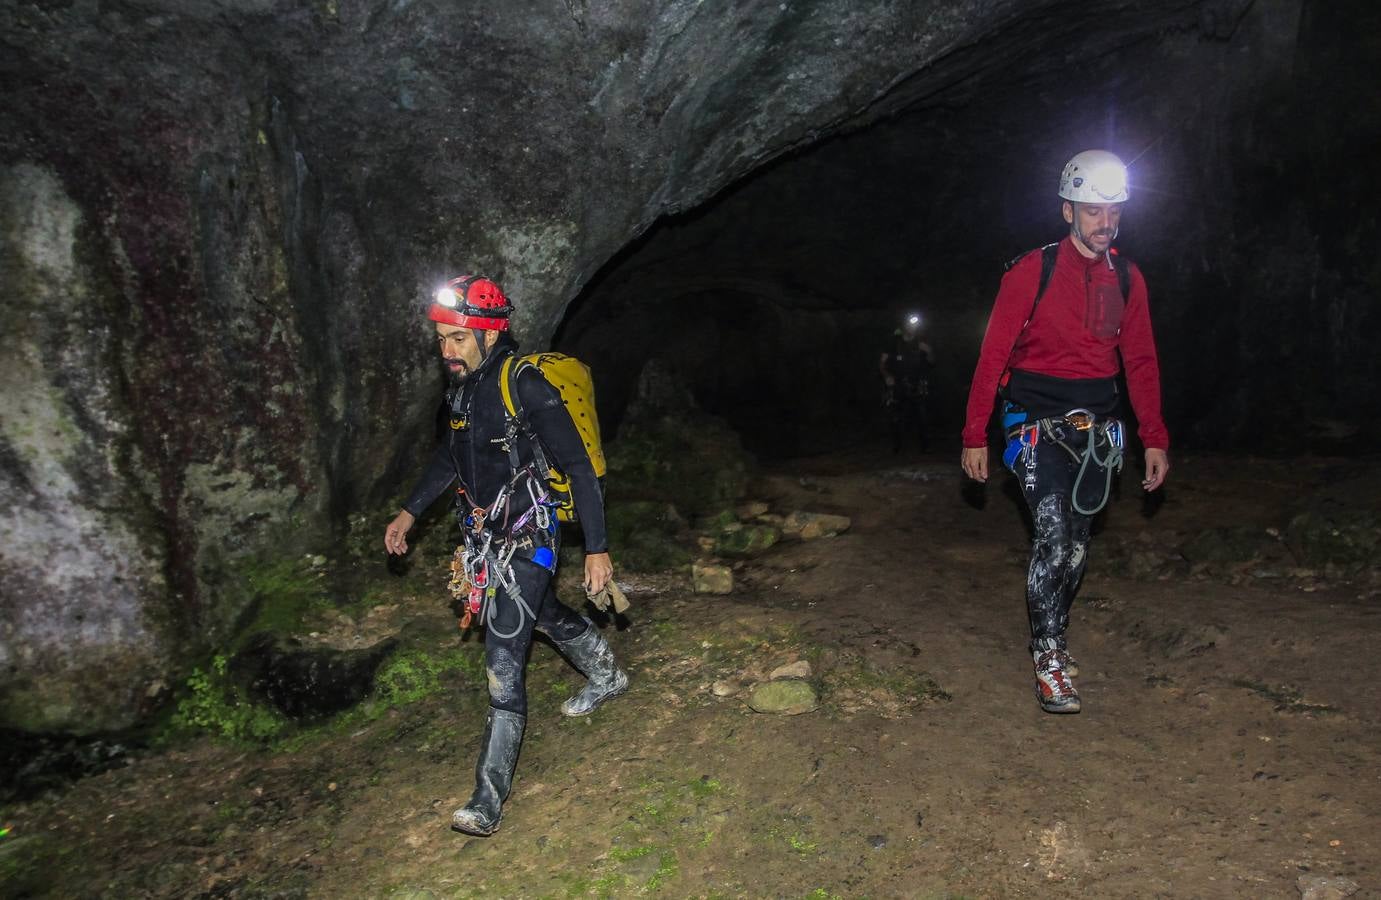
point(471, 301)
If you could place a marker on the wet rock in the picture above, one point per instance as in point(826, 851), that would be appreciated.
point(1227, 545)
point(1348, 540)
point(798, 669)
point(644, 533)
point(708, 578)
point(308, 682)
point(1326, 887)
point(809, 526)
point(745, 540)
point(788, 698)
point(751, 510)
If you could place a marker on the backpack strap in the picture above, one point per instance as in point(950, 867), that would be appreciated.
point(517, 419)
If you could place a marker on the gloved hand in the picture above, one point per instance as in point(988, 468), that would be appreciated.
point(611, 594)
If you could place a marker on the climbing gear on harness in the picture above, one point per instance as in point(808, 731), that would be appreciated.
point(483, 565)
point(471, 301)
point(1102, 448)
point(1054, 690)
point(571, 378)
point(503, 736)
point(1094, 176)
point(590, 654)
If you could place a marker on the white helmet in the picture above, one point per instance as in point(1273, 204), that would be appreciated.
point(1094, 176)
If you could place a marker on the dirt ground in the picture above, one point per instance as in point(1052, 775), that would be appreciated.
point(1230, 743)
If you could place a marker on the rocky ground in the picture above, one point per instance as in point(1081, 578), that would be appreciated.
point(1229, 746)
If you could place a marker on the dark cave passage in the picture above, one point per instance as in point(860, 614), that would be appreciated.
point(774, 300)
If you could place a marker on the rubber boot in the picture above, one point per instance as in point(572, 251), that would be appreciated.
point(503, 735)
point(590, 654)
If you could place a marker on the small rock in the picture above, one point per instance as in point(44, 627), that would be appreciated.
point(809, 526)
point(707, 578)
point(788, 698)
point(798, 669)
point(877, 841)
point(751, 510)
point(725, 688)
point(318, 561)
point(1326, 887)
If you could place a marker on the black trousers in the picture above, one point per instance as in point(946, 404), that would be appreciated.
point(506, 657)
point(1059, 546)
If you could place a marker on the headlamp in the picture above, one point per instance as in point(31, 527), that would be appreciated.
point(1108, 180)
point(448, 298)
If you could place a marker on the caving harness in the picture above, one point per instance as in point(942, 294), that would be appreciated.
point(483, 563)
point(1101, 449)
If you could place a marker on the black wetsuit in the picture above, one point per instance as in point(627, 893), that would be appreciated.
point(474, 450)
point(908, 363)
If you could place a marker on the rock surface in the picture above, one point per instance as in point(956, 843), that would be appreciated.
point(787, 697)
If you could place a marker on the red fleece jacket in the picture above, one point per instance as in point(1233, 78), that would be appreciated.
point(1081, 327)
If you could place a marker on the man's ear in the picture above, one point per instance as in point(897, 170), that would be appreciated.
point(1068, 210)
point(491, 337)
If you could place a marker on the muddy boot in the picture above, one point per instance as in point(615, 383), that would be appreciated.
point(590, 654)
point(503, 734)
point(1054, 690)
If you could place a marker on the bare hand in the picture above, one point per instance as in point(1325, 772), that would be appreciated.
point(1157, 467)
point(975, 463)
point(396, 534)
point(598, 570)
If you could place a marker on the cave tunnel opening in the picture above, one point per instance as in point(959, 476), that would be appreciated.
point(773, 301)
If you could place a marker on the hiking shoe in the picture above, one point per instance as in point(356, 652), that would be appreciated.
point(1067, 660)
point(1054, 691)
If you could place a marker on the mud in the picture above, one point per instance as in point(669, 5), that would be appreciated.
point(1228, 746)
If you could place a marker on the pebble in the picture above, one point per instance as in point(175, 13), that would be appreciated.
point(877, 841)
point(1326, 887)
point(798, 669)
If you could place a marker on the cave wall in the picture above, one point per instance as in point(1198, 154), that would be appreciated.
point(221, 220)
point(1251, 127)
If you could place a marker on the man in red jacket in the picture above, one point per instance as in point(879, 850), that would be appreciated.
point(1067, 318)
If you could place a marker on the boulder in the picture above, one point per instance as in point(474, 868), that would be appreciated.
point(709, 578)
point(788, 697)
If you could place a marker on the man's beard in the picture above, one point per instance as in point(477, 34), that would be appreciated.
point(457, 376)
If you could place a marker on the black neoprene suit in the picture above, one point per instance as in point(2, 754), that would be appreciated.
point(1059, 547)
point(473, 450)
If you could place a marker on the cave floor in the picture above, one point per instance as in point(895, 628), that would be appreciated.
point(1230, 743)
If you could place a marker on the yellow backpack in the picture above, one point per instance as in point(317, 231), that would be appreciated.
point(571, 378)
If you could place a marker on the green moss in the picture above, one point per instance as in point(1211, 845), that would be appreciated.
point(417, 674)
point(212, 704)
point(285, 591)
point(667, 870)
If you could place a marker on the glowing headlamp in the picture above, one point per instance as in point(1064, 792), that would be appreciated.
point(1108, 180)
point(448, 298)
point(913, 319)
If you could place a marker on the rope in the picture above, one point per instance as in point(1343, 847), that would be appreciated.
point(1109, 463)
point(499, 565)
